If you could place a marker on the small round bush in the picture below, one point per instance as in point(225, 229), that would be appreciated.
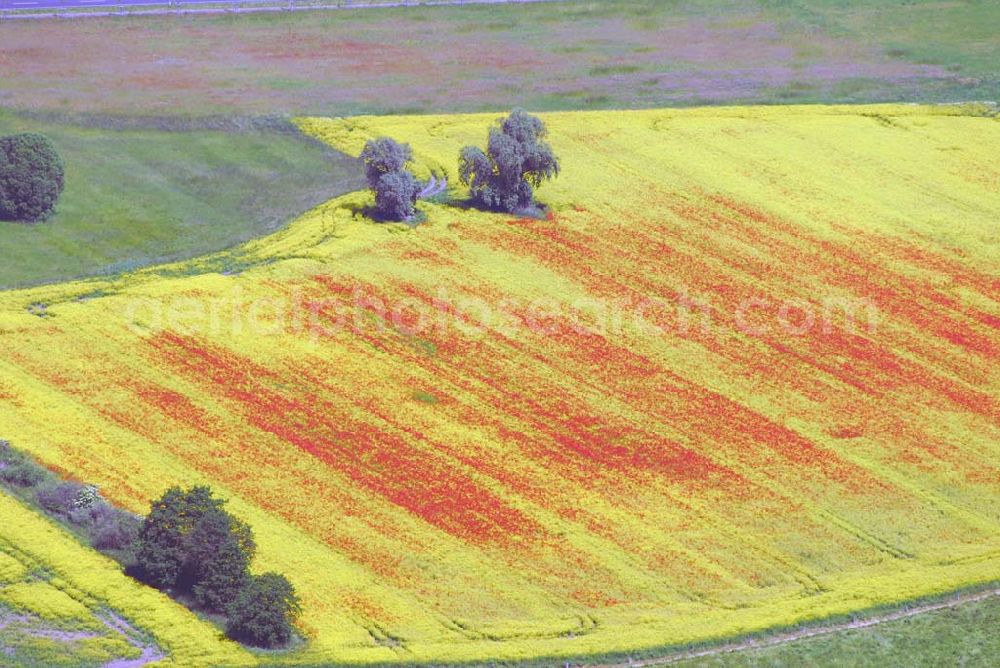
point(264, 612)
point(31, 177)
point(89, 495)
point(117, 531)
point(91, 515)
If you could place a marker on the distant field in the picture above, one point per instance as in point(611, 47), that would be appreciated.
point(567, 55)
point(154, 192)
point(549, 484)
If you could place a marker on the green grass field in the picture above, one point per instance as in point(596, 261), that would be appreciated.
point(145, 195)
point(962, 636)
point(960, 36)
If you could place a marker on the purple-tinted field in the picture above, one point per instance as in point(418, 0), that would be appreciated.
point(565, 55)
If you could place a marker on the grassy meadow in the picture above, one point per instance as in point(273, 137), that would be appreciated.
point(157, 191)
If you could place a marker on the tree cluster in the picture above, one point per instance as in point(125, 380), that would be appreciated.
point(503, 177)
point(395, 187)
point(31, 177)
point(190, 545)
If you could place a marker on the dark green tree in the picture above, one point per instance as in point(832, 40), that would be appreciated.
point(517, 161)
point(163, 549)
point(189, 543)
point(265, 611)
point(31, 177)
point(220, 550)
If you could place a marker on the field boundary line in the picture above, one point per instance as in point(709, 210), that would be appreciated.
point(239, 7)
point(806, 633)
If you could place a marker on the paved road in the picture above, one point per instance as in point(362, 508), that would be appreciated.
point(114, 5)
point(77, 4)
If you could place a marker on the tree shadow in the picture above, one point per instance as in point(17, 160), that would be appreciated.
point(537, 211)
point(371, 213)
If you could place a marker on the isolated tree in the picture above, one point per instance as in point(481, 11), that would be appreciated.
point(517, 160)
point(264, 612)
point(395, 187)
point(31, 177)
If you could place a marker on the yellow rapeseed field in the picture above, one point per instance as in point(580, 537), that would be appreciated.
point(743, 374)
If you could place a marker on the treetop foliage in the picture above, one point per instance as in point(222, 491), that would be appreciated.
point(384, 155)
point(165, 538)
point(31, 177)
point(517, 160)
point(263, 613)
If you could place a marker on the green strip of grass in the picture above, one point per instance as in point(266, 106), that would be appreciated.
point(966, 635)
point(145, 191)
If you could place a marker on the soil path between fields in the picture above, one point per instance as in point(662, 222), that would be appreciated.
point(802, 634)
